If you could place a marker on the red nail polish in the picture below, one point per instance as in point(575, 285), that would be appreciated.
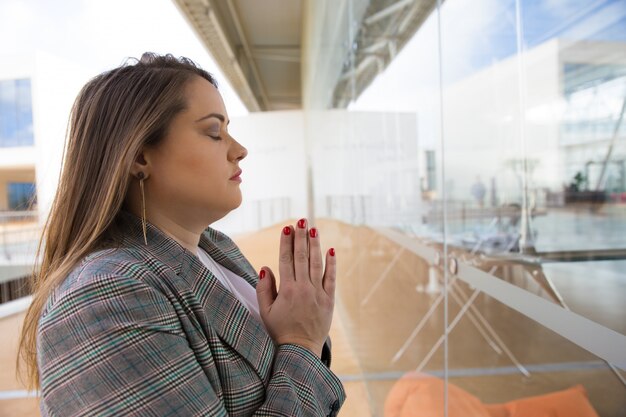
point(332, 251)
point(313, 232)
point(262, 274)
point(287, 230)
point(302, 223)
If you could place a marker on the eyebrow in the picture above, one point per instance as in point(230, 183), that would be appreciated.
point(216, 115)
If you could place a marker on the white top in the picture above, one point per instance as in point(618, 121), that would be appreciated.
point(238, 286)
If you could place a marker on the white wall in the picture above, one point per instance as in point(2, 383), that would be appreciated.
point(17, 158)
point(274, 172)
point(365, 167)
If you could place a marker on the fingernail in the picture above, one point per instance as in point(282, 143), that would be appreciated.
point(262, 274)
point(302, 223)
point(332, 251)
point(287, 230)
point(313, 232)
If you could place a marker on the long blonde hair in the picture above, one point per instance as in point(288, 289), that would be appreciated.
point(115, 115)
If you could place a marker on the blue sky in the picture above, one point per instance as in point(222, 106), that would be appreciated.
point(590, 20)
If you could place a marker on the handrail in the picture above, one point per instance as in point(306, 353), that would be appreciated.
point(15, 307)
point(601, 341)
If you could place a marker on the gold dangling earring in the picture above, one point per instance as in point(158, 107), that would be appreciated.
point(143, 207)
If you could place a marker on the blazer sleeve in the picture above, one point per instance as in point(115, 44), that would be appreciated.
point(114, 346)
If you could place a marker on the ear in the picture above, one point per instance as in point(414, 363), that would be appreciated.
point(140, 165)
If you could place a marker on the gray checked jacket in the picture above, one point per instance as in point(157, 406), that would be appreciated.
point(149, 331)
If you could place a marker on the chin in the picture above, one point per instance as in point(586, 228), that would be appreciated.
point(237, 205)
point(238, 201)
point(233, 206)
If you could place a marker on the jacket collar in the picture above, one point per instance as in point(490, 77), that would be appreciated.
point(224, 251)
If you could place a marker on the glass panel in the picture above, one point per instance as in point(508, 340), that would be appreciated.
point(374, 165)
point(16, 115)
point(24, 113)
point(21, 195)
point(476, 182)
point(532, 112)
point(8, 114)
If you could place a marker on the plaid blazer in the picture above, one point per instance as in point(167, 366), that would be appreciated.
point(149, 331)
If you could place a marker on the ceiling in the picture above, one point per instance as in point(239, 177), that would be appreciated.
point(258, 44)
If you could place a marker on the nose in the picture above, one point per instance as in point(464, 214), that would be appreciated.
point(238, 151)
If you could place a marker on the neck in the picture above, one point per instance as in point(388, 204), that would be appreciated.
point(184, 227)
point(183, 234)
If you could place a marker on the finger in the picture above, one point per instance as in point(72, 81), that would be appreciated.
point(273, 286)
point(316, 266)
point(285, 257)
point(330, 274)
point(300, 251)
point(265, 290)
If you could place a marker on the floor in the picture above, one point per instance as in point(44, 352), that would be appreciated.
point(382, 296)
point(380, 302)
point(10, 388)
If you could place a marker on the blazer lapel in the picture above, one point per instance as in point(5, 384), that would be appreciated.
point(224, 251)
point(227, 316)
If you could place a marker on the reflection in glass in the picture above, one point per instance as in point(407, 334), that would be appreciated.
point(487, 148)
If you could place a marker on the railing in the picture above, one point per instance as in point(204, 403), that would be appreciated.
point(19, 236)
point(270, 211)
point(373, 209)
point(542, 303)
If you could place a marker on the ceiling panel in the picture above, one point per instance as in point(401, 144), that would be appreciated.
point(257, 44)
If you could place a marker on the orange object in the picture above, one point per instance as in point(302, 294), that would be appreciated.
point(497, 410)
point(422, 395)
point(572, 402)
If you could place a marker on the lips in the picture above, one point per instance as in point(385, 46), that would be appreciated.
point(237, 174)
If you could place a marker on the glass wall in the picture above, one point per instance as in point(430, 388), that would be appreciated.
point(21, 195)
point(472, 171)
point(16, 114)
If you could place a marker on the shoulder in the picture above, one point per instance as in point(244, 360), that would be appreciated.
point(109, 295)
point(123, 263)
point(104, 274)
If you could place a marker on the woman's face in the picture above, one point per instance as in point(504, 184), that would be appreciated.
point(194, 170)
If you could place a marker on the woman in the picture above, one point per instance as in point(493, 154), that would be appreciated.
point(139, 307)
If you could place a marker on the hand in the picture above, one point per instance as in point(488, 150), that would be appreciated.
point(302, 311)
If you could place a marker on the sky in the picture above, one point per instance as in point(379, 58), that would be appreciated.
point(100, 35)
